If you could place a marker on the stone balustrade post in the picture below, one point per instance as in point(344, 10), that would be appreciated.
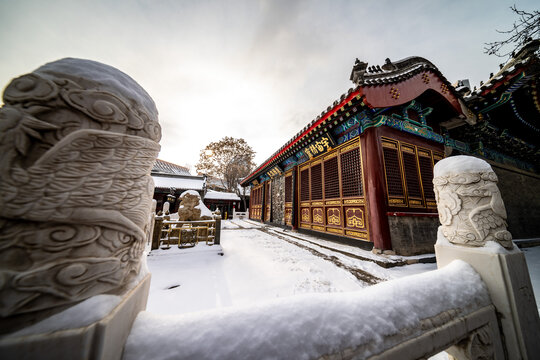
point(218, 229)
point(79, 139)
point(473, 229)
point(156, 234)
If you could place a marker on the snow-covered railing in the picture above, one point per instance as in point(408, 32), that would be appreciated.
point(480, 300)
point(160, 224)
point(240, 214)
point(479, 304)
point(408, 318)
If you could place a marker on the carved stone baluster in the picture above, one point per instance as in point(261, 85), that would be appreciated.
point(78, 140)
point(473, 229)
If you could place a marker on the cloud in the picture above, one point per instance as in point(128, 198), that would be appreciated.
point(260, 70)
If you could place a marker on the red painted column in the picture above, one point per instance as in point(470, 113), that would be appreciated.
point(375, 190)
point(295, 198)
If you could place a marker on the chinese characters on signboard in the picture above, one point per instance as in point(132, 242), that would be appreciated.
point(274, 171)
point(319, 146)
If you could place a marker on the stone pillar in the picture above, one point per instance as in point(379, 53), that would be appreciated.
point(473, 229)
point(217, 217)
point(150, 233)
point(156, 234)
point(166, 207)
point(77, 137)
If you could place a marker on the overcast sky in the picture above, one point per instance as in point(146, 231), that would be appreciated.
point(260, 70)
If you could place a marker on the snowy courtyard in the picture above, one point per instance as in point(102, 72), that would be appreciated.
point(261, 263)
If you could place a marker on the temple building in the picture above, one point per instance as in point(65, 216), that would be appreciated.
point(171, 180)
point(362, 171)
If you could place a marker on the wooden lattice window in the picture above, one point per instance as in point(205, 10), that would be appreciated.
point(331, 178)
point(393, 173)
point(426, 172)
point(411, 175)
point(316, 182)
point(288, 189)
point(304, 185)
point(437, 157)
point(351, 173)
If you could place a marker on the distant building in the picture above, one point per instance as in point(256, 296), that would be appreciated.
point(171, 181)
point(224, 201)
point(362, 171)
point(214, 183)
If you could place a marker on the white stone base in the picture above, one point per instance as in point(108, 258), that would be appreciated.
point(103, 339)
point(507, 278)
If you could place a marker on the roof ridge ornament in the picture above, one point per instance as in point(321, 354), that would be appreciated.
point(358, 72)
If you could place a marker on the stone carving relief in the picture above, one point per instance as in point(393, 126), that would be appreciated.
point(192, 208)
point(470, 206)
point(477, 346)
point(77, 143)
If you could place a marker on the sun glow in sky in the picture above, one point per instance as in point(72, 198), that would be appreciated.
point(260, 70)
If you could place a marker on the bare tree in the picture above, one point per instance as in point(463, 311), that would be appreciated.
point(525, 28)
point(230, 160)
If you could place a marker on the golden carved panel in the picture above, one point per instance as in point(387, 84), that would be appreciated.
point(333, 202)
point(355, 218)
point(333, 216)
point(358, 234)
point(320, 228)
point(355, 201)
point(389, 144)
point(305, 215)
point(407, 149)
point(349, 147)
point(335, 231)
point(288, 216)
point(318, 216)
point(334, 154)
point(423, 153)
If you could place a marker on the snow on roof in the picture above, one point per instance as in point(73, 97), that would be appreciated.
point(216, 195)
point(185, 182)
point(165, 167)
point(190, 192)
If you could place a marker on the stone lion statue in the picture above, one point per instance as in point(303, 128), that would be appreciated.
point(77, 143)
point(192, 208)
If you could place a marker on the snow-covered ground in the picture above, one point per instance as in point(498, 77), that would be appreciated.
point(257, 266)
point(260, 263)
point(256, 263)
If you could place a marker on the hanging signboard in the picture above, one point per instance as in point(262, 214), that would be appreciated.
point(319, 146)
point(276, 170)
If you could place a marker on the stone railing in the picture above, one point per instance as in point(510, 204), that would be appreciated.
point(77, 200)
point(240, 214)
point(160, 223)
point(410, 318)
point(479, 304)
